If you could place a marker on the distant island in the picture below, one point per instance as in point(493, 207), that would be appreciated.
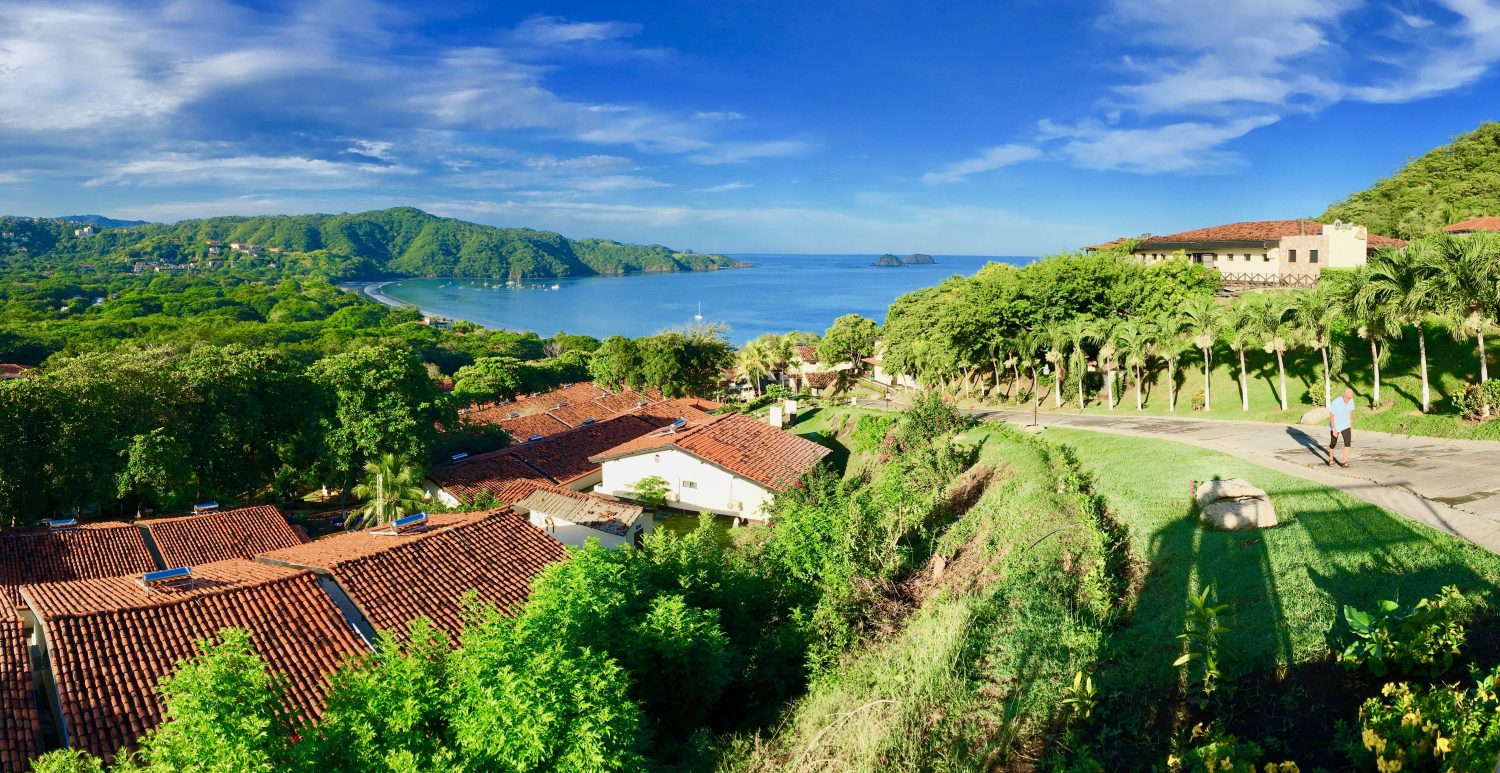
point(888, 260)
point(382, 244)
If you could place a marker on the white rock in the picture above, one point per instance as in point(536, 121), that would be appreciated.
point(1234, 505)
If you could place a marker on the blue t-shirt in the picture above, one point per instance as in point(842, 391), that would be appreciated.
point(1343, 413)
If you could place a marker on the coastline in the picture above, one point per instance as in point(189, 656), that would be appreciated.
point(372, 290)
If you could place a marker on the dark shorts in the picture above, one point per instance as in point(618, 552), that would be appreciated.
point(1333, 438)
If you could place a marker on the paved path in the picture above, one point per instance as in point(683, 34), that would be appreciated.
point(1450, 485)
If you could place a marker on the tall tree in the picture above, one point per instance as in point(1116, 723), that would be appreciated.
point(1374, 322)
point(1270, 316)
point(1080, 333)
point(1171, 345)
point(1203, 321)
point(1057, 343)
point(1239, 330)
point(849, 339)
point(383, 401)
point(1466, 280)
point(1315, 312)
point(1398, 282)
point(1136, 340)
point(392, 489)
point(1104, 333)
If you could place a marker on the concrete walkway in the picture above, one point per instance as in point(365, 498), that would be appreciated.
point(1450, 485)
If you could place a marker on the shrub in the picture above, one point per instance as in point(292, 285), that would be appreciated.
point(1213, 750)
point(1314, 396)
point(1471, 401)
point(871, 431)
point(1440, 728)
point(929, 417)
point(1420, 640)
point(1198, 400)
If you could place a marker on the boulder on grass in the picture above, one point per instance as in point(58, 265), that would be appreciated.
point(1315, 416)
point(1234, 505)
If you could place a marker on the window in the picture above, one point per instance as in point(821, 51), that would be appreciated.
point(656, 458)
point(689, 484)
point(1291, 256)
point(1312, 256)
point(1266, 258)
point(1247, 257)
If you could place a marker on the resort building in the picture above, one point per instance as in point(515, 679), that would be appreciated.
point(573, 517)
point(731, 465)
point(1476, 225)
point(1269, 252)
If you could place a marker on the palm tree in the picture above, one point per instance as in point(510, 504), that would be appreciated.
point(1314, 312)
point(1202, 320)
point(1375, 322)
point(1028, 345)
point(1269, 316)
point(1170, 347)
point(1104, 333)
point(392, 488)
point(1398, 282)
point(1057, 341)
point(754, 362)
point(1238, 332)
point(1079, 332)
point(1136, 339)
point(1468, 286)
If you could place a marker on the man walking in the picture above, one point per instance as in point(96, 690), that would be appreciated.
point(1341, 423)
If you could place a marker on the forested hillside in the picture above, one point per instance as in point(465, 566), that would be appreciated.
point(400, 241)
point(1457, 181)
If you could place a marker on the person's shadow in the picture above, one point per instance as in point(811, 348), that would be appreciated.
point(1306, 441)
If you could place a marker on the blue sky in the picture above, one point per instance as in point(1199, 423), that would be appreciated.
point(992, 128)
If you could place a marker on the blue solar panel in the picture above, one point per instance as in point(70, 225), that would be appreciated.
point(167, 575)
point(589, 420)
point(411, 520)
point(205, 507)
point(679, 423)
point(533, 437)
point(460, 456)
point(62, 523)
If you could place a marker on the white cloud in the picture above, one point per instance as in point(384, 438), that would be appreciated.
point(726, 187)
point(1439, 58)
point(555, 30)
point(719, 115)
point(264, 171)
point(987, 160)
point(1190, 146)
point(737, 152)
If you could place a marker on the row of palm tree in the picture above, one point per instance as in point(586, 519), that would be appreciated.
point(1455, 278)
point(768, 355)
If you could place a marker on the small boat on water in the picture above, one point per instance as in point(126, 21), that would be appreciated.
point(557, 287)
point(699, 316)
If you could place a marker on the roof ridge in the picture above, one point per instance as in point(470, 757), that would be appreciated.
point(191, 595)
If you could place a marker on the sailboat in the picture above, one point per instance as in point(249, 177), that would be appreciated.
point(699, 316)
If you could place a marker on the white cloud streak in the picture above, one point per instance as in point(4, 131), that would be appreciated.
point(988, 160)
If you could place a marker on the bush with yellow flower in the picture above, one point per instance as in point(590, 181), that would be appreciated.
point(1440, 728)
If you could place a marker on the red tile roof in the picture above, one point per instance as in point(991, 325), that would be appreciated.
point(574, 414)
point(820, 379)
point(746, 447)
point(565, 456)
point(12, 370)
point(620, 402)
point(91, 550)
point(201, 539)
point(1106, 245)
point(1374, 241)
point(20, 722)
point(808, 354)
point(1488, 223)
point(111, 641)
point(667, 411)
point(526, 427)
point(394, 579)
point(484, 475)
point(1257, 231)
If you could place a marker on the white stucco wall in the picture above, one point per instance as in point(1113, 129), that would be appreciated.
point(573, 535)
point(716, 490)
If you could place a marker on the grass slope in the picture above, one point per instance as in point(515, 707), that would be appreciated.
point(1450, 364)
point(1286, 585)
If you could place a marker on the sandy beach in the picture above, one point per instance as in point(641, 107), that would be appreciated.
point(372, 290)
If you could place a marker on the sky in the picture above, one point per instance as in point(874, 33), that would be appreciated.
point(986, 128)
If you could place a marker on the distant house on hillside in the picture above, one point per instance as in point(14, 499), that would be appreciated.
point(730, 465)
point(1109, 245)
point(1269, 252)
point(1476, 225)
point(12, 370)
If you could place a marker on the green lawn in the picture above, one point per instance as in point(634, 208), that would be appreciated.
point(1451, 363)
point(1285, 585)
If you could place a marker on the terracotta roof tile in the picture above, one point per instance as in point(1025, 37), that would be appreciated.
point(1488, 223)
point(575, 414)
point(240, 533)
point(808, 354)
point(527, 427)
point(20, 722)
point(112, 641)
point(738, 443)
point(620, 402)
point(565, 456)
point(12, 370)
point(1105, 245)
point(91, 550)
point(483, 475)
point(394, 579)
point(665, 412)
point(820, 379)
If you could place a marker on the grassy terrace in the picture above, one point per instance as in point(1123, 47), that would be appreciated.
point(1285, 585)
point(1450, 364)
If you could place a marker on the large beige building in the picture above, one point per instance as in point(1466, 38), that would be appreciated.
point(1269, 252)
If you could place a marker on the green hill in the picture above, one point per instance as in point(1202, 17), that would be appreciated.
point(1457, 181)
point(401, 241)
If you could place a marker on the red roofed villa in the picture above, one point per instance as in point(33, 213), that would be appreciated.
point(732, 464)
point(1476, 225)
point(1270, 252)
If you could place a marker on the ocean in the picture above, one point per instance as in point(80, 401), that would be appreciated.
point(781, 293)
